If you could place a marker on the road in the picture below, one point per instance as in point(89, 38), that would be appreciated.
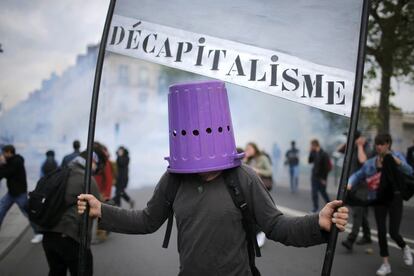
point(143, 255)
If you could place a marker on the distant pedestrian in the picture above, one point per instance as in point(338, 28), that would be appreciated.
point(104, 179)
point(61, 243)
point(49, 165)
point(292, 160)
point(76, 151)
point(260, 163)
point(275, 162)
point(410, 156)
point(319, 179)
point(382, 171)
point(359, 213)
point(104, 176)
point(122, 164)
point(13, 170)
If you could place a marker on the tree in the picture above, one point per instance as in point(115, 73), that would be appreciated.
point(390, 49)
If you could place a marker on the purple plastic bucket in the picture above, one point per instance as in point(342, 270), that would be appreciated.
point(200, 129)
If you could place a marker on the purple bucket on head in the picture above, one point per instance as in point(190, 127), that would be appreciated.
point(200, 129)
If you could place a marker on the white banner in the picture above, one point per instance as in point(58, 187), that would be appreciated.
point(268, 71)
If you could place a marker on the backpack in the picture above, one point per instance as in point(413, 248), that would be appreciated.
point(406, 185)
point(233, 186)
point(46, 203)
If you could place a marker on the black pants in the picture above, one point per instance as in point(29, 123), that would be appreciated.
point(392, 206)
point(359, 216)
point(395, 210)
point(62, 253)
point(120, 193)
point(318, 187)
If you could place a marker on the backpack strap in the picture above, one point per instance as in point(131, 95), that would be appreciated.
point(249, 223)
point(174, 182)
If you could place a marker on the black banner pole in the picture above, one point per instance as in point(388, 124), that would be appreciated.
point(84, 237)
point(359, 75)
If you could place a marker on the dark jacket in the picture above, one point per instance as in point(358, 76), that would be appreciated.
point(48, 166)
point(122, 163)
point(211, 237)
point(320, 162)
point(71, 220)
point(410, 156)
point(15, 173)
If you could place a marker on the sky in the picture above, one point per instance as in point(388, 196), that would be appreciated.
point(45, 36)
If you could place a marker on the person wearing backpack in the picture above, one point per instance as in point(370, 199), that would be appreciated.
point(216, 200)
point(61, 242)
point(321, 168)
point(381, 173)
point(12, 168)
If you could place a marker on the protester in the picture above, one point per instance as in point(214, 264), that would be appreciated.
point(410, 155)
point(104, 179)
point(384, 169)
point(320, 170)
point(203, 168)
point(260, 163)
point(122, 163)
point(359, 213)
point(76, 151)
point(13, 170)
point(292, 160)
point(49, 165)
point(104, 175)
point(276, 156)
point(61, 243)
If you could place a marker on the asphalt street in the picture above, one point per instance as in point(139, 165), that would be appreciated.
point(143, 255)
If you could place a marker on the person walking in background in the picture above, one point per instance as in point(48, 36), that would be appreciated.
point(12, 168)
point(320, 160)
point(359, 213)
point(261, 165)
point(104, 178)
point(383, 171)
point(61, 242)
point(276, 155)
point(49, 165)
point(410, 156)
point(122, 164)
point(71, 156)
point(292, 160)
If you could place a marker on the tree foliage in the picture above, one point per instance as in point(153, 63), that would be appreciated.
point(390, 49)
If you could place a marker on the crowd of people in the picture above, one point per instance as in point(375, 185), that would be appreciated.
point(368, 164)
point(108, 174)
point(218, 202)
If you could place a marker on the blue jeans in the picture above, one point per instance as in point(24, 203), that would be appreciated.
point(294, 178)
point(8, 200)
point(318, 187)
